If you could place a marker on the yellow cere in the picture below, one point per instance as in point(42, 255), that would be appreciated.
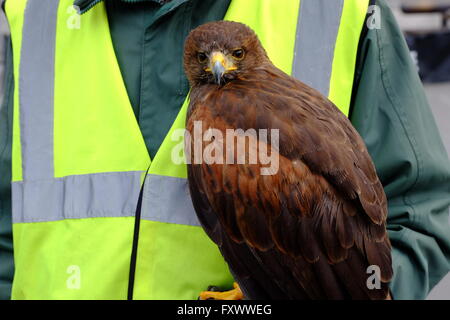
point(220, 57)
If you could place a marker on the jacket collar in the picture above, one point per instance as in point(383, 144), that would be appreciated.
point(85, 5)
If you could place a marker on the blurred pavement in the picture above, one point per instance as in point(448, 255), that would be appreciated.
point(439, 98)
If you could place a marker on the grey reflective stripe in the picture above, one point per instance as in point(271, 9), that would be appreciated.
point(75, 197)
point(36, 88)
point(317, 30)
point(167, 199)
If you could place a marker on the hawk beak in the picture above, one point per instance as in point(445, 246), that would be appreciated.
point(219, 65)
point(218, 70)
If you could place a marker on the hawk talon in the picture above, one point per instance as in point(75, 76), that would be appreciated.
point(213, 288)
point(234, 294)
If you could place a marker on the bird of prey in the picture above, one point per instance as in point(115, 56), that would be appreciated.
point(314, 227)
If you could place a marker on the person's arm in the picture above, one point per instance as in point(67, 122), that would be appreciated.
point(6, 246)
point(392, 114)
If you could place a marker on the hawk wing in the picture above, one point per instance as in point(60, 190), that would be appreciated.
point(313, 228)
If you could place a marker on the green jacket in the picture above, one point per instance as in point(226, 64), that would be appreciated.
point(389, 109)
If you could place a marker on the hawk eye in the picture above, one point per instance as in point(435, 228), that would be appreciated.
point(238, 54)
point(201, 57)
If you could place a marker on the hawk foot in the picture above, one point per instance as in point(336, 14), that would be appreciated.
point(235, 294)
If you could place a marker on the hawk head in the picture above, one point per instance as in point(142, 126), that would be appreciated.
point(218, 52)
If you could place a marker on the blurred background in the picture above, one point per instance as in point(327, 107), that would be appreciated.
point(426, 24)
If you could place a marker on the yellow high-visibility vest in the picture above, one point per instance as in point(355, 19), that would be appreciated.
point(80, 161)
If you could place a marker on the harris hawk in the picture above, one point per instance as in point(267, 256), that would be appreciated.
point(312, 227)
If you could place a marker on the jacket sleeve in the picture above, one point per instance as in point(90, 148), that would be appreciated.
point(391, 112)
point(6, 247)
